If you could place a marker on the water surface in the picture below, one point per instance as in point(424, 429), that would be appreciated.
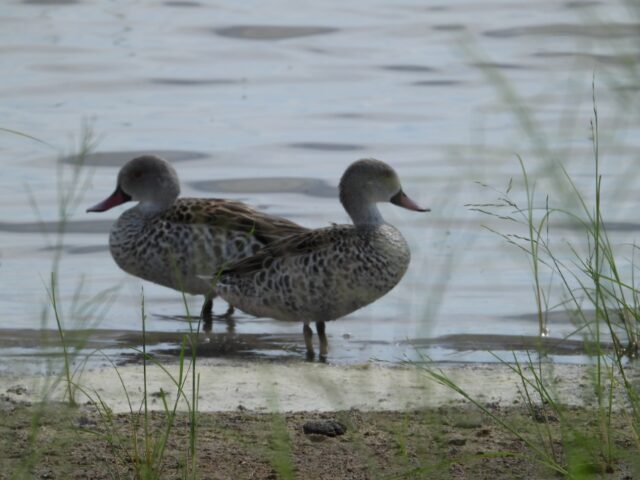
point(269, 104)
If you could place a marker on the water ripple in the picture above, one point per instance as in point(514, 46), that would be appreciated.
point(270, 32)
point(307, 186)
point(609, 30)
point(117, 159)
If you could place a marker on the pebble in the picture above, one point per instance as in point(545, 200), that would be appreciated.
point(330, 428)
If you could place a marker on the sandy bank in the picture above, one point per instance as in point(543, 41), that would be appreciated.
point(298, 386)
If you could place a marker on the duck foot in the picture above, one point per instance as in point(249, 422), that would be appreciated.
point(229, 313)
point(308, 341)
point(227, 317)
point(207, 324)
point(206, 313)
point(231, 324)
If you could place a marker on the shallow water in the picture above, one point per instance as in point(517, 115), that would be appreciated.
point(269, 104)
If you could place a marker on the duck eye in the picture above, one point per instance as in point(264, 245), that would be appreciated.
point(137, 174)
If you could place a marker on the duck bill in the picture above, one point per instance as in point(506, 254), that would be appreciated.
point(116, 198)
point(402, 200)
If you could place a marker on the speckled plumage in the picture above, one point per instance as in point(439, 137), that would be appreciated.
point(320, 275)
point(177, 242)
point(324, 274)
point(192, 238)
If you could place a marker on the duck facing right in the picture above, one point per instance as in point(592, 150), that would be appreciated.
point(327, 273)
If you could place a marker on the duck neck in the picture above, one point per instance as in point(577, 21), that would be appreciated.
point(151, 208)
point(362, 213)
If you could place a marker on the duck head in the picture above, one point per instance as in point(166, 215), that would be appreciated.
point(367, 182)
point(150, 180)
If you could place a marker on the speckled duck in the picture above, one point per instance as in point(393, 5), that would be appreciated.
point(324, 274)
point(174, 241)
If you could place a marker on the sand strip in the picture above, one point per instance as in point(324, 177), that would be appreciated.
point(297, 386)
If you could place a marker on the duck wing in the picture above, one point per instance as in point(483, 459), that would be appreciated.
point(294, 245)
point(232, 216)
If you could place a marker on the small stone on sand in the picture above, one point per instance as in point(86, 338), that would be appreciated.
point(330, 428)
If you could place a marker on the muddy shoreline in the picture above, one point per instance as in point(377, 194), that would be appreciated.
point(252, 417)
point(453, 442)
point(31, 351)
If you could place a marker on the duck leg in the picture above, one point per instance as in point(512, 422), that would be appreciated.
point(229, 313)
point(206, 313)
point(207, 308)
point(228, 318)
point(308, 335)
point(324, 344)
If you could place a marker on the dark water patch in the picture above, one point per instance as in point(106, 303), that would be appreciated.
point(117, 159)
point(480, 342)
point(42, 339)
point(70, 67)
point(582, 4)
point(625, 59)
point(307, 186)
point(350, 115)
point(499, 66)
point(552, 318)
point(327, 147)
point(569, 317)
point(436, 83)
point(78, 250)
point(449, 27)
point(246, 347)
point(627, 88)
point(622, 226)
point(378, 116)
point(610, 226)
point(225, 344)
point(76, 226)
point(560, 317)
point(409, 68)
point(270, 32)
point(438, 8)
point(42, 48)
point(50, 2)
point(616, 59)
point(182, 4)
point(321, 51)
point(193, 81)
point(610, 30)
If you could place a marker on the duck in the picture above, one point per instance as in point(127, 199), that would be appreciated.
point(173, 241)
point(323, 274)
